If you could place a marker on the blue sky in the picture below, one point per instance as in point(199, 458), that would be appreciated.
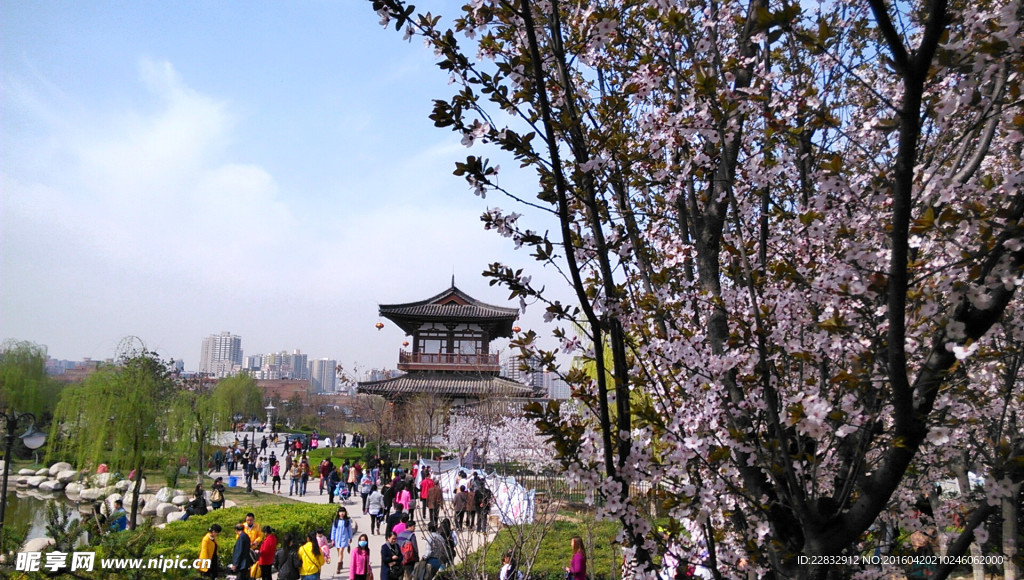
point(173, 170)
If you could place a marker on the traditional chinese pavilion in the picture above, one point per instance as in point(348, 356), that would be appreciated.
point(450, 357)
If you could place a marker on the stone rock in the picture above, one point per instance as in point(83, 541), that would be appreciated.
point(228, 503)
point(37, 544)
point(93, 493)
point(166, 508)
point(101, 479)
point(44, 472)
point(59, 467)
point(179, 500)
point(35, 480)
point(26, 471)
point(122, 485)
point(73, 489)
point(150, 508)
point(21, 480)
point(175, 516)
point(51, 485)
point(67, 475)
point(164, 495)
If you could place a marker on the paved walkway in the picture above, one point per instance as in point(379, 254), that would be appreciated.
point(466, 540)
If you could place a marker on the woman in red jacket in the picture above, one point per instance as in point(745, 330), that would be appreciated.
point(359, 568)
point(267, 548)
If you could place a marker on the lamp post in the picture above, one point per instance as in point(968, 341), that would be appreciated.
point(32, 438)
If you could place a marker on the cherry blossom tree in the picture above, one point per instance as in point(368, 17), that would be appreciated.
point(509, 439)
point(796, 228)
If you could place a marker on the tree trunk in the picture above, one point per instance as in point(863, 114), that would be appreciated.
point(943, 540)
point(135, 496)
point(965, 490)
point(1011, 533)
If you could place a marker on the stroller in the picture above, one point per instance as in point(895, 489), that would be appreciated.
point(341, 491)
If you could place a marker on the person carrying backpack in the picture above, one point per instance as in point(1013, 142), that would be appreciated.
point(286, 560)
point(409, 549)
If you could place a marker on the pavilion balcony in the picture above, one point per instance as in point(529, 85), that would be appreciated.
point(422, 361)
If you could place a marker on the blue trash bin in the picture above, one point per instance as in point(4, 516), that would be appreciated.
point(233, 481)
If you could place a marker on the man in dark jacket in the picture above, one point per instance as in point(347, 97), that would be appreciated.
point(393, 520)
point(408, 536)
point(483, 507)
point(241, 558)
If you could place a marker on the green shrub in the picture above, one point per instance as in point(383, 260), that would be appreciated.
point(555, 551)
point(182, 538)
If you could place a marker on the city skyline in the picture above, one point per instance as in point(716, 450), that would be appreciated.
point(170, 171)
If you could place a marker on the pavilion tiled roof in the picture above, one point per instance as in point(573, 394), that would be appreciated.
point(447, 384)
point(450, 304)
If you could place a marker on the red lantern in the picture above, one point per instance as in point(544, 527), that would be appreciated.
point(405, 343)
point(516, 329)
point(379, 325)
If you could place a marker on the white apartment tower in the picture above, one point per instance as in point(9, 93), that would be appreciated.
point(221, 355)
point(322, 375)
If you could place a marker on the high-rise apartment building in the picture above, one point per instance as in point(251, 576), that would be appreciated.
point(221, 355)
point(322, 375)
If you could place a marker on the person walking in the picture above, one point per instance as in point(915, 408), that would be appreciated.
point(388, 491)
point(390, 559)
point(470, 509)
point(577, 569)
point(460, 503)
point(295, 475)
point(406, 538)
point(209, 566)
point(425, 486)
point(353, 474)
point(483, 507)
point(324, 470)
point(311, 557)
point(333, 479)
point(375, 507)
point(435, 501)
point(275, 477)
point(365, 487)
point(359, 567)
point(342, 529)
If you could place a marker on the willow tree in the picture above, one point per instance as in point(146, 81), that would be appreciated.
point(24, 384)
point(118, 416)
point(238, 394)
point(193, 418)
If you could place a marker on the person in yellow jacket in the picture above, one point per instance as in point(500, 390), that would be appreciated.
point(252, 529)
point(312, 559)
point(208, 552)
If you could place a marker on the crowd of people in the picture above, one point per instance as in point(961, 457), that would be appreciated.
point(383, 490)
point(258, 553)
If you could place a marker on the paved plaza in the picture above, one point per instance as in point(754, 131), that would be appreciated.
point(466, 539)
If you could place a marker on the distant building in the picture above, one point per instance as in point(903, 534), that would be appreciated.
point(221, 355)
point(323, 375)
point(278, 365)
point(450, 358)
